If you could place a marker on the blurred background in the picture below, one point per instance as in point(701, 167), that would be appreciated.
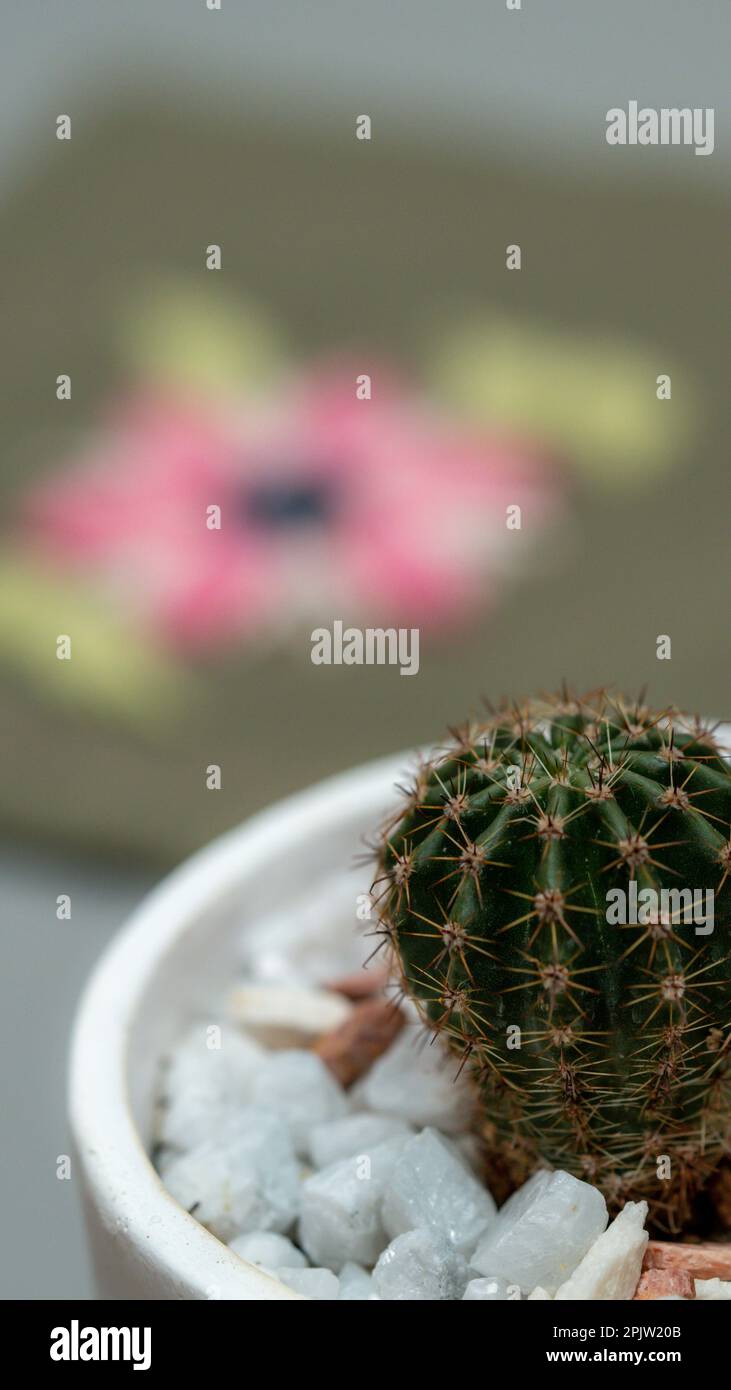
point(141, 388)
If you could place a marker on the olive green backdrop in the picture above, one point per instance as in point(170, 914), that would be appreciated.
point(349, 245)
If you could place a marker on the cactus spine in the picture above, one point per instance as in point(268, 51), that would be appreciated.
point(599, 1046)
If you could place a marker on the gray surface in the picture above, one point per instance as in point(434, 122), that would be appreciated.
point(545, 75)
point(45, 963)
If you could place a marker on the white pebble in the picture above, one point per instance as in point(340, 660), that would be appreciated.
point(216, 1188)
point(356, 1284)
point(542, 1232)
point(612, 1266)
point(204, 1083)
point(432, 1188)
point(320, 1284)
point(712, 1289)
point(416, 1079)
point(269, 1249)
point(285, 1016)
point(420, 1266)
point(488, 1291)
point(352, 1134)
point(244, 1178)
point(341, 1208)
point(299, 1087)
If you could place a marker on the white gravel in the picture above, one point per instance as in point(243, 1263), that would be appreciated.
point(269, 1250)
point(337, 1139)
point(416, 1080)
point(431, 1188)
point(542, 1232)
point(342, 1207)
point(356, 1284)
point(320, 1284)
point(612, 1265)
point(371, 1194)
point(490, 1291)
point(298, 1087)
point(211, 1073)
point(420, 1266)
point(245, 1177)
point(713, 1289)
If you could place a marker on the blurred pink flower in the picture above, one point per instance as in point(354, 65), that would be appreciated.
point(329, 505)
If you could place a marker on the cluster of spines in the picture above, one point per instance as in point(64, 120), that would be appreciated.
point(488, 919)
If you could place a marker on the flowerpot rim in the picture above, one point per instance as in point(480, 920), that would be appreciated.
point(124, 1188)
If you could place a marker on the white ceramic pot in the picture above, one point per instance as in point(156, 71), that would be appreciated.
point(177, 956)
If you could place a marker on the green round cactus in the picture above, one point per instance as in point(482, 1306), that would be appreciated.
point(557, 895)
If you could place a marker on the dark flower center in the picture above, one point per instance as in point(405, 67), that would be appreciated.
point(286, 503)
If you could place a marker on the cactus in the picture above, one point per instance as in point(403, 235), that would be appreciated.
point(598, 1047)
